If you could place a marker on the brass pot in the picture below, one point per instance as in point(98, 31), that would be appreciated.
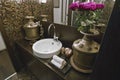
point(84, 53)
point(32, 30)
point(32, 33)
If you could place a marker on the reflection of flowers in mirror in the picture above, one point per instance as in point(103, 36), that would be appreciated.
point(88, 14)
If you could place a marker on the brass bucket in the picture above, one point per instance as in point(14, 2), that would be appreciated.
point(32, 33)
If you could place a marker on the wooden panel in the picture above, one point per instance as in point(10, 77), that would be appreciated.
point(6, 67)
point(42, 72)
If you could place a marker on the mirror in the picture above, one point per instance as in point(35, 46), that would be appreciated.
point(62, 15)
point(61, 11)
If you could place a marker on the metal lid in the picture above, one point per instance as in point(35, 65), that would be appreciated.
point(31, 23)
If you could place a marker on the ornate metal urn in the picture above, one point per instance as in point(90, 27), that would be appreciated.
point(32, 30)
point(84, 53)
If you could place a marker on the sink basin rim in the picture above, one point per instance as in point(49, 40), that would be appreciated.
point(47, 54)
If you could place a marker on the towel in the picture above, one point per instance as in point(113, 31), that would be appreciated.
point(58, 62)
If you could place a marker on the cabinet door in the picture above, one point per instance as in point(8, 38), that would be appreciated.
point(42, 72)
point(6, 68)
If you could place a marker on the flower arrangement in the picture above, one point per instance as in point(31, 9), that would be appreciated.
point(88, 14)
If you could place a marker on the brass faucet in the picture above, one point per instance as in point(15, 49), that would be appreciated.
point(54, 35)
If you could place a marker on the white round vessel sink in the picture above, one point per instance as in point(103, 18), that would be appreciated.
point(46, 48)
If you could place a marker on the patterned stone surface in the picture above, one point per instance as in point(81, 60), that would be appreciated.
point(13, 12)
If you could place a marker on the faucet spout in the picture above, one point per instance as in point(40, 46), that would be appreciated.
point(54, 35)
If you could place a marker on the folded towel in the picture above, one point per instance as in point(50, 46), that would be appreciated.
point(58, 62)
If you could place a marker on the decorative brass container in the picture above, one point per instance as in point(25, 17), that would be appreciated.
point(84, 53)
point(44, 17)
point(32, 33)
point(32, 30)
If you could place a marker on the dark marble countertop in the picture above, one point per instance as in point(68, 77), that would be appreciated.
point(68, 74)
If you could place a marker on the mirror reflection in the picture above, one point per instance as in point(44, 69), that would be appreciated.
point(63, 15)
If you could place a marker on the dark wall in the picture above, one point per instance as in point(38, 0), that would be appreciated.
point(107, 66)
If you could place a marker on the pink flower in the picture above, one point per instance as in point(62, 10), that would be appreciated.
point(74, 5)
point(82, 5)
point(92, 6)
point(88, 16)
point(100, 6)
point(88, 6)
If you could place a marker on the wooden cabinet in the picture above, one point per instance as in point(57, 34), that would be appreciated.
point(41, 68)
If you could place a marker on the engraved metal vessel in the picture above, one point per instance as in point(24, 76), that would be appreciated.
point(32, 30)
point(84, 53)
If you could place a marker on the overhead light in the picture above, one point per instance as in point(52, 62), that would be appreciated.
point(43, 1)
